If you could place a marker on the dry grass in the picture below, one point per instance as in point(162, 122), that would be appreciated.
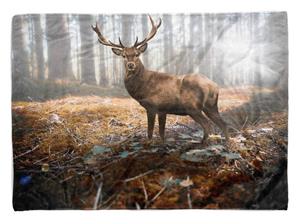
point(60, 133)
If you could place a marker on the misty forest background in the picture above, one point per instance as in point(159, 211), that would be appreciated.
point(56, 55)
point(80, 141)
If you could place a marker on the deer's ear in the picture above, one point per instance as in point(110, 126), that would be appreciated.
point(117, 51)
point(142, 48)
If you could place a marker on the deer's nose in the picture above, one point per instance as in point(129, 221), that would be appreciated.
point(130, 65)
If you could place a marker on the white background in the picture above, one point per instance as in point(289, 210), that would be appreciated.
point(12, 7)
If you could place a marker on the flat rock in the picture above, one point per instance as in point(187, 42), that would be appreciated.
point(202, 155)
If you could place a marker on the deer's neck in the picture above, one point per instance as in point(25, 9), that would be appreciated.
point(135, 81)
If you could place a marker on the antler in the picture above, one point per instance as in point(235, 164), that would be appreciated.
point(104, 41)
point(150, 35)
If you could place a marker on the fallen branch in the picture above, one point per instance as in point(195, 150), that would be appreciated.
point(158, 194)
point(98, 196)
point(246, 119)
point(138, 207)
point(47, 157)
point(145, 191)
point(27, 152)
point(189, 197)
point(236, 130)
point(111, 199)
point(138, 176)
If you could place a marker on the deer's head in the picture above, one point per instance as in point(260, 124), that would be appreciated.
point(130, 54)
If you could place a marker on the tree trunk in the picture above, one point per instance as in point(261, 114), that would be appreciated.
point(20, 61)
point(59, 46)
point(145, 30)
point(194, 26)
point(168, 42)
point(87, 52)
point(39, 48)
point(102, 68)
point(127, 24)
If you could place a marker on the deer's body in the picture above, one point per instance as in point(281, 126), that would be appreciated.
point(170, 94)
point(162, 93)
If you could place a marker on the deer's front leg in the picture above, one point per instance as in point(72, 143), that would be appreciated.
point(162, 124)
point(151, 121)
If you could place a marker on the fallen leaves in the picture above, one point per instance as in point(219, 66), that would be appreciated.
point(186, 183)
point(83, 141)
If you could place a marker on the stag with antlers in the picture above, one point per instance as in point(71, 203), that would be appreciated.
point(163, 93)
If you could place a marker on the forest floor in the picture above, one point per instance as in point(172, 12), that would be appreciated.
point(91, 152)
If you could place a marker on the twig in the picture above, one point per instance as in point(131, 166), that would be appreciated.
point(40, 160)
point(145, 191)
point(75, 138)
point(27, 152)
point(75, 158)
point(118, 159)
point(256, 121)
point(236, 165)
point(66, 179)
point(138, 176)
point(138, 207)
point(189, 198)
point(158, 194)
point(238, 131)
point(98, 196)
point(246, 119)
point(115, 195)
point(126, 139)
point(189, 195)
point(47, 157)
point(31, 171)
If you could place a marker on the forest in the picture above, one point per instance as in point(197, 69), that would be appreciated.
point(80, 141)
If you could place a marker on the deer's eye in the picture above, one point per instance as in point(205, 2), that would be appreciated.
point(136, 54)
point(123, 55)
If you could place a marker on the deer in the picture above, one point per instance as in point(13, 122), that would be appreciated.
point(162, 93)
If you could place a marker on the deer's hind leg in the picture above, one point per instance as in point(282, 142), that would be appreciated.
point(151, 120)
point(202, 120)
point(162, 124)
point(214, 115)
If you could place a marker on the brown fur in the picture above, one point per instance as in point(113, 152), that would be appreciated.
point(163, 93)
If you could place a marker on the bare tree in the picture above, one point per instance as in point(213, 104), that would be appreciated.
point(103, 76)
point(168, 41)
point(117, 26)
point(232, 49)
point(20, 63)
point(76, 48)
point(127, 24)
point(86, 52)
point(194, 38)
point(58, 41)
point(39, 47)
point(31, 43)
point(145, 32)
